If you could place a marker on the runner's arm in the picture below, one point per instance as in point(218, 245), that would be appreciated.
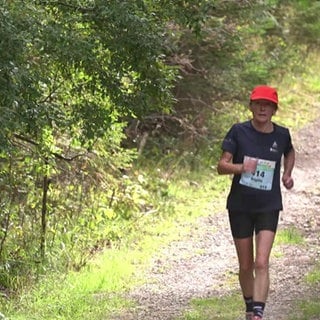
point(225, 165)
point(288, 164)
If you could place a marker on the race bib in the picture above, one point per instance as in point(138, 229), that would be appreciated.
point(263, 176)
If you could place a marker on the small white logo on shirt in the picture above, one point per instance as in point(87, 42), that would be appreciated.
point(274, 147)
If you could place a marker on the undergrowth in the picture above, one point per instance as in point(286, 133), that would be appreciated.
point(215, 308)
point(290, 235)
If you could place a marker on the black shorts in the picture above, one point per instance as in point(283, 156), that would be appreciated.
point(243, 224)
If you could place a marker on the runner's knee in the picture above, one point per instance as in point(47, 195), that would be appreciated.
point(261, 265)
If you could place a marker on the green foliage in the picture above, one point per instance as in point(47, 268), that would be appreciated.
point(289, 235)
point(306, 310)
point(79, 67)
point(92, 292)
point(215, 308)
point(304, 23)
point(70, 75)
point(78, 295)
point(313, 277)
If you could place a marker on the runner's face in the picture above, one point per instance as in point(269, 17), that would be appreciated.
point(262, 110)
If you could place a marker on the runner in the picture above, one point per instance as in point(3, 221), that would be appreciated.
point(252, 152)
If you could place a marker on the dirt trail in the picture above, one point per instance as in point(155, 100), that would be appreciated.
point(202, 264)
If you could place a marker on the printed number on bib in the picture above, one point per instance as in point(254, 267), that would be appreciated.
point(262, 178)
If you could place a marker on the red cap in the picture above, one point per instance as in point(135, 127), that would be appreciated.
point(264, 92)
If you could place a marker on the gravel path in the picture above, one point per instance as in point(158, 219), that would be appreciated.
point(204, 263)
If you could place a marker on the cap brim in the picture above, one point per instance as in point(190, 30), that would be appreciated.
point(264, 98)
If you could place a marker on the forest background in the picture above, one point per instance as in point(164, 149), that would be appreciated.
point(112, 109)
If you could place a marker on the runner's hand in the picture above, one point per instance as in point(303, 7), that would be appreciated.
point(250, 164)
point(287, 181)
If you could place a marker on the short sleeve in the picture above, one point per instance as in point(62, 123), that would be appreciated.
point(229, 143)
point(289, 145)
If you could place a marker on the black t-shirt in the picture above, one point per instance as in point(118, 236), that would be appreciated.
point(260, 191)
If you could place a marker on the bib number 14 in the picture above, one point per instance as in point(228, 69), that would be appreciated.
point(262, 178)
